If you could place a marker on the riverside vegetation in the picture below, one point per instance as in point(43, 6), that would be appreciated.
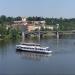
point(14, 33)
point(8, 33)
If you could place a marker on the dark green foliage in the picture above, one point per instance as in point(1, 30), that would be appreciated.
point(14, 34)
point(9, 33)
point(18, 18)
point(35, 18)
point(9, 20)
point(64, 24)
point(3, 18)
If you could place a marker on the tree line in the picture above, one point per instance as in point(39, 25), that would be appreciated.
point(8, 33)
point(5, 19)
point(64, 23)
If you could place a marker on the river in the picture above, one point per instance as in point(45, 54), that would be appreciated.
point(60, 62)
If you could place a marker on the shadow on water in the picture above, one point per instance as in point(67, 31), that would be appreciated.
point(32, 56)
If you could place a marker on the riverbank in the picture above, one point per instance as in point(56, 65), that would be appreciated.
point(47, 35)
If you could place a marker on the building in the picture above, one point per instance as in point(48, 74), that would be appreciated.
point(49, 27)
point(22, 22)
point(33, 25)
point(23, 19)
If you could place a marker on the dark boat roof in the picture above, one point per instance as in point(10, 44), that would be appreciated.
point(30, 44)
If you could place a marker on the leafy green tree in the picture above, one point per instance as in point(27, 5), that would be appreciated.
point(3, 18)
point(14, 34)
point(18, 18)
point(3, 30)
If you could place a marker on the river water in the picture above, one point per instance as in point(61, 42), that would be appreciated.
point(60, 62)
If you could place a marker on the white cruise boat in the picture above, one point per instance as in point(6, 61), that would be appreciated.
point(32, 47)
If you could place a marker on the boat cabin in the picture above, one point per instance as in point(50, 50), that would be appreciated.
point(30, 44)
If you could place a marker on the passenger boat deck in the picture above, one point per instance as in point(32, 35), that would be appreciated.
point(32, 47)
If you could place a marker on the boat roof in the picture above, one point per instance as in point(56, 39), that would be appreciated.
point(30, 44)
point(33, 46)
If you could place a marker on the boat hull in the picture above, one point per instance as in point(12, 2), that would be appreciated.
point(33, 51)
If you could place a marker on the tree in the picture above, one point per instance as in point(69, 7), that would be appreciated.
point(3, 30)
point(30, 19)
point(18, 18)
point(3, 18)
point(10, 19)
point(14, 34)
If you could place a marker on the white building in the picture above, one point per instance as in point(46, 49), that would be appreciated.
point(24, 19)
point(48, 27)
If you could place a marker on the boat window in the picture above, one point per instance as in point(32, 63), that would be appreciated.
point(28, 48)
point(34, 48)
point(32, 44)
point(48, 49)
